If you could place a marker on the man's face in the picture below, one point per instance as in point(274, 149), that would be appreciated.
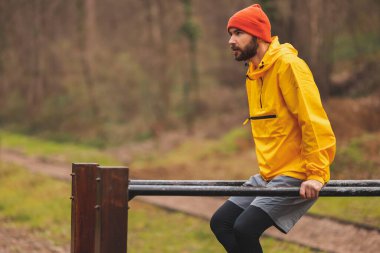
point(243, 45)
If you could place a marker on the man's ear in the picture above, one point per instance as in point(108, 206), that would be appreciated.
point(260, 40)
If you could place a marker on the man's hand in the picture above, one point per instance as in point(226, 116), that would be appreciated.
point(310, 189)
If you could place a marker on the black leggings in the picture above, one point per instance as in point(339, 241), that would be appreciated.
point(239, 230)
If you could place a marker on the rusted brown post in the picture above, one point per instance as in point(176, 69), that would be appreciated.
point(113, 208)
point(83, 213)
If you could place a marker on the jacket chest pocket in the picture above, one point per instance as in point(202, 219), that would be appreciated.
point(268, 125)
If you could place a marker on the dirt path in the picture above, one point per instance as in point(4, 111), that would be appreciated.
point(320, 233)
point(14, 240)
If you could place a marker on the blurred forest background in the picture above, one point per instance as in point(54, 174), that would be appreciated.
point(107, 72)
point(152, 84)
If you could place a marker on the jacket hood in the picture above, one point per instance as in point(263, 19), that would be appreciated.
point(274, 51)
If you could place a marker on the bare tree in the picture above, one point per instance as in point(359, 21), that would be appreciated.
point(36, 90)
point(3, 17)
point(190, 32)
point(87, 38)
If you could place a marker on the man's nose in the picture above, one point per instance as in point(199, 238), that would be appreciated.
point(232, 40)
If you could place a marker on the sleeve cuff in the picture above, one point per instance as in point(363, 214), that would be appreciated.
point(317, 178)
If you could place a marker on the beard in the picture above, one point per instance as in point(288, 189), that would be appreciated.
point(248, 51)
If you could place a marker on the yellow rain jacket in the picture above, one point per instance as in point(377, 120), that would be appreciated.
point(292, 133)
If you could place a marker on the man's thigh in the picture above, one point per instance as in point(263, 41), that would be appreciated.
point(245, 201)
point(284, 211)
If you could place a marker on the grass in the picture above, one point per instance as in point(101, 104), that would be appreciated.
point(200, 149)
point(363, 210)
point(230, 157)
point(35, 202)
point(46, 149)
point(42, 204)
point(157, 230)
point(227, 158)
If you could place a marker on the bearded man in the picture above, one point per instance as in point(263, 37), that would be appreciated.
point(294, 141)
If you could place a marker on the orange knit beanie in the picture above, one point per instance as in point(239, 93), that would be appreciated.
point(252, 20)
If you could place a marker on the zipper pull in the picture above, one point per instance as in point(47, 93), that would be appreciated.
point(245, 121)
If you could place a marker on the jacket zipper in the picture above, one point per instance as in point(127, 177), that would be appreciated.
point(271, 116)
point(261, 92)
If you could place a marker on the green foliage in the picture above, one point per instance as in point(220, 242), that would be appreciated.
point(352, 160)
point(189, 28)
point(353, 152)
point(353, 46)
point(235, 140)
point(143, 136)
point(270, 9)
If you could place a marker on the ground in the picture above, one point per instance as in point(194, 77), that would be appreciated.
point(326, 234)
point(16, 240)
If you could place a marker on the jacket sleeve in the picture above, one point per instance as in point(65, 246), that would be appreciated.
point(303, 100)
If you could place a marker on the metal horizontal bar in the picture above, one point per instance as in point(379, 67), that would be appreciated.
point(188, 182)
point(354, 183)
point(190, 190)
point(331, 183)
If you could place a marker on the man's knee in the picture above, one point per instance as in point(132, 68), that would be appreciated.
point(244, 230)
point(252, 223)
point(214, 221)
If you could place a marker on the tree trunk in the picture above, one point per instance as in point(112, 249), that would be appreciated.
point(3, 9)
point(191, 86)
point(87, 37)
point(34, 87)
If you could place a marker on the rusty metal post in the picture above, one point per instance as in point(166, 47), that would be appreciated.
point(113, 208)
point(83, 214)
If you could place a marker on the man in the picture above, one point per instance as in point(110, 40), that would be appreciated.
point(295, 144)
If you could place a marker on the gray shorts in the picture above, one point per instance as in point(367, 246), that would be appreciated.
point(284, 211)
